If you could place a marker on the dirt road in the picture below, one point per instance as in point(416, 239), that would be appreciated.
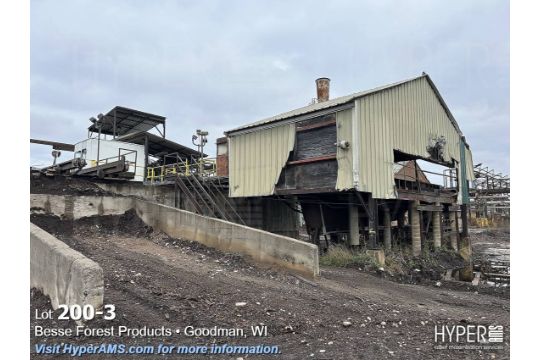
point(157, 281)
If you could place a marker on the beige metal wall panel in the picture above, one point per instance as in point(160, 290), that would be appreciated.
point(257, 158)
point(470, 166)
point(344, 156)
point(403, 118)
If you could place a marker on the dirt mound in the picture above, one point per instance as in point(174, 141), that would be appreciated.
point(62, 185)
point(126, 224)
point(130, 225)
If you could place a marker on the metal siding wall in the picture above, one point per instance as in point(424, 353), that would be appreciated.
point(401, 118)
point(344, 157)
point(257, 158)
point(470, 166)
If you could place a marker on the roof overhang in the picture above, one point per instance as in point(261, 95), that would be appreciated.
point(158, 146)
point(122, 120)
point(55, 145)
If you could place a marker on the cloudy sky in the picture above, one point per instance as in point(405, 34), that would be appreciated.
point(219, 64)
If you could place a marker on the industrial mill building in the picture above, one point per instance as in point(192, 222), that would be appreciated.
point(338, 158)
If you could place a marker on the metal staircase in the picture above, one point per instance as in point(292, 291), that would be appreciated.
point(201, 188)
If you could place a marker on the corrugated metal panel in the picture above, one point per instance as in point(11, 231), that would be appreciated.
point(403, 118)
point(470, 166)
point(256, 160)
point(344, 156)
point(320, 106)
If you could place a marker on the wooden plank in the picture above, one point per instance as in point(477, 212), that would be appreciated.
point(430, 208)
point(321, 124)
point(305, 191)
point(431, 197)
point(313, 159)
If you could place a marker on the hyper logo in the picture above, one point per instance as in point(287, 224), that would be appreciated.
point(469, 334)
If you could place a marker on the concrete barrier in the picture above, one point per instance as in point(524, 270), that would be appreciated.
point(76, 207)
point(63, 274)
point(261, 246)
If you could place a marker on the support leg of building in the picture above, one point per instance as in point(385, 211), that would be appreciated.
point(401, 236)
point(437, 228)
point(372, 223)
point(465, 249)
point(414, 219)
point(387, 229)
point(354, 230)
point(455, 232)
point(464, 221)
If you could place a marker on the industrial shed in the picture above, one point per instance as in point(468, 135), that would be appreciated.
point(403, 117)
point(344, 151)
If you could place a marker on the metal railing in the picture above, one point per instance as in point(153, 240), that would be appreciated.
point(447, 180)
point(173, 165)
point(127, 152)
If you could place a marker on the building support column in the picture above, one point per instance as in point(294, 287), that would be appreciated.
point(372, 223)
point(354, 230)
point(464, 221)
point(387, 229)
point(455, 232)
point(145, 171)
point(437, 228)
point(401, 236)
point(414, 220)
point(465, 249)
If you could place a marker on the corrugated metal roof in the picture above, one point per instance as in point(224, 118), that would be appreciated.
point(340, 101)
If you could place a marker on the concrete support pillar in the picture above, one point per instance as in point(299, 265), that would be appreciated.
point(401, 236)
point(437, 228)
point(464, 221)
point(414, 219)
point(387, 229)
point(354, 230)
point(455, 230)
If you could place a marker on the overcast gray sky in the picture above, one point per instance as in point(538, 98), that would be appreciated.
point(219, 64)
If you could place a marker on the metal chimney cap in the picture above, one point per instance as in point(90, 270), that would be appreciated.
point(323, 89)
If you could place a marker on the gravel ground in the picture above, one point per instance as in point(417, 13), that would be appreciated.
point(156, 281)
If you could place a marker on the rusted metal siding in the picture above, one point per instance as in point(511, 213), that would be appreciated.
point(257, 158)
point(403, 118)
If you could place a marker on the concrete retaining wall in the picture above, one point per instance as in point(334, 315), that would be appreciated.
point(261, 246)
point(76, 207)
point(163, 194)
point(63, 274)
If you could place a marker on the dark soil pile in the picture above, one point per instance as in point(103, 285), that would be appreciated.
point(62, 185)
point(127, 224)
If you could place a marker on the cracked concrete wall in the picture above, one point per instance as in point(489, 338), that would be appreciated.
point(63, 274)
